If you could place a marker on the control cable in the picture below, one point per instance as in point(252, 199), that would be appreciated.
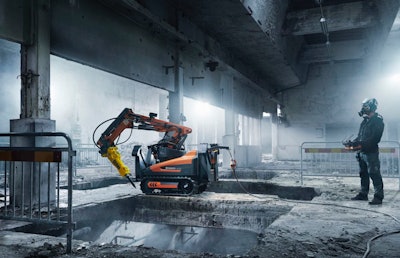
point(233, 167)
point(117, 141)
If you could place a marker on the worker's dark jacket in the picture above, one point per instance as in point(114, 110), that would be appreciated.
point(370, 133)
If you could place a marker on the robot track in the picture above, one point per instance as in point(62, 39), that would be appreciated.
point(171, 186)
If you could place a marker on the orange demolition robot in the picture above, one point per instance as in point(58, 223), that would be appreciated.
point(167, 168)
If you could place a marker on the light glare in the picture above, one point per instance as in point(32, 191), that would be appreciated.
point(394, 78)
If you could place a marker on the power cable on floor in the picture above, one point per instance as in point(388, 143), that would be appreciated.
point(325, 204)
point(376, 237)
point(380, 235)
point(314, 203)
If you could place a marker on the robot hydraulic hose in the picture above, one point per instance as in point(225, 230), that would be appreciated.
point(174, 137)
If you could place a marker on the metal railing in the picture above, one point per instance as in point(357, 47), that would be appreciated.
point(332, 159)
point(88, 155)
point(30, 179)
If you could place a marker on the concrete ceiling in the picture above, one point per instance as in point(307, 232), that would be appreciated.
point(272, 42)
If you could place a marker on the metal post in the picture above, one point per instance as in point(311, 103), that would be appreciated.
point(70, 221)
point(398, 161)
point(31, 189)
point(58, 192)
point(5, 187)
point(48, 191)
point(40, 191)
point(13, 184)
point(22, 190)
point(301, 164)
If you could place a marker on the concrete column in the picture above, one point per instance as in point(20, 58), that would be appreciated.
point(274, 138)
point(35, 63)
point(176, 97)
point(32, 181)
point(230, 137)
point(162, 111)
point(35, 105)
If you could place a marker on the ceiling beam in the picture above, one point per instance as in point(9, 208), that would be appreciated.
point(387, 11)
point(338, 51)
point(190, 35)
point(346, 16)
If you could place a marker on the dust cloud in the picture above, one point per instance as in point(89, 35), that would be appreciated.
point(83, 97)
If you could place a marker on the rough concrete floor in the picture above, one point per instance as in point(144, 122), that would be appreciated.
point(331, 225)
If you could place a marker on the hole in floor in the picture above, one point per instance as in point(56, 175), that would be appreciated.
point(224, 186)
point(254, 187)
point(169, 237)
point(187, 224)
point(98, 183)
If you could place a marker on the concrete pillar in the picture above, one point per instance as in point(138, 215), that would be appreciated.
point(274, 138)
point(35, 105)
point(176, 97)
point(32, 181)
point(35, 63)
point(230, 137)
point(162, 111)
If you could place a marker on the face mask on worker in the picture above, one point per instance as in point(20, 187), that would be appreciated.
point(368, 106)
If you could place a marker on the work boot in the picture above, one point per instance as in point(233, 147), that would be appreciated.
point(360, 197)
point(375, 201)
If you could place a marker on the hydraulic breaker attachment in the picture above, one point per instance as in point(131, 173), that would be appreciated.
point(115, 157)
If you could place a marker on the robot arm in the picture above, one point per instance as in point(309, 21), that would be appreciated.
point(174, 136)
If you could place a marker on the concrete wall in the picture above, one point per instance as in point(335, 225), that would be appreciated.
point(247, 156)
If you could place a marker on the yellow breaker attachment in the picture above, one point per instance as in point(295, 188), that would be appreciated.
point(115, 157)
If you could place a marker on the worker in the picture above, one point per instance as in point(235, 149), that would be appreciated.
point(366, 145)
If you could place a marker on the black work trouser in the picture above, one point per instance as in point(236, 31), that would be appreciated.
point(370, 168)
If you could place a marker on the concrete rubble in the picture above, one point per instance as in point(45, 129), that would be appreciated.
point(329, 225)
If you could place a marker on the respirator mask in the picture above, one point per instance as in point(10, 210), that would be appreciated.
point(368, 106)
point(365, 110)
